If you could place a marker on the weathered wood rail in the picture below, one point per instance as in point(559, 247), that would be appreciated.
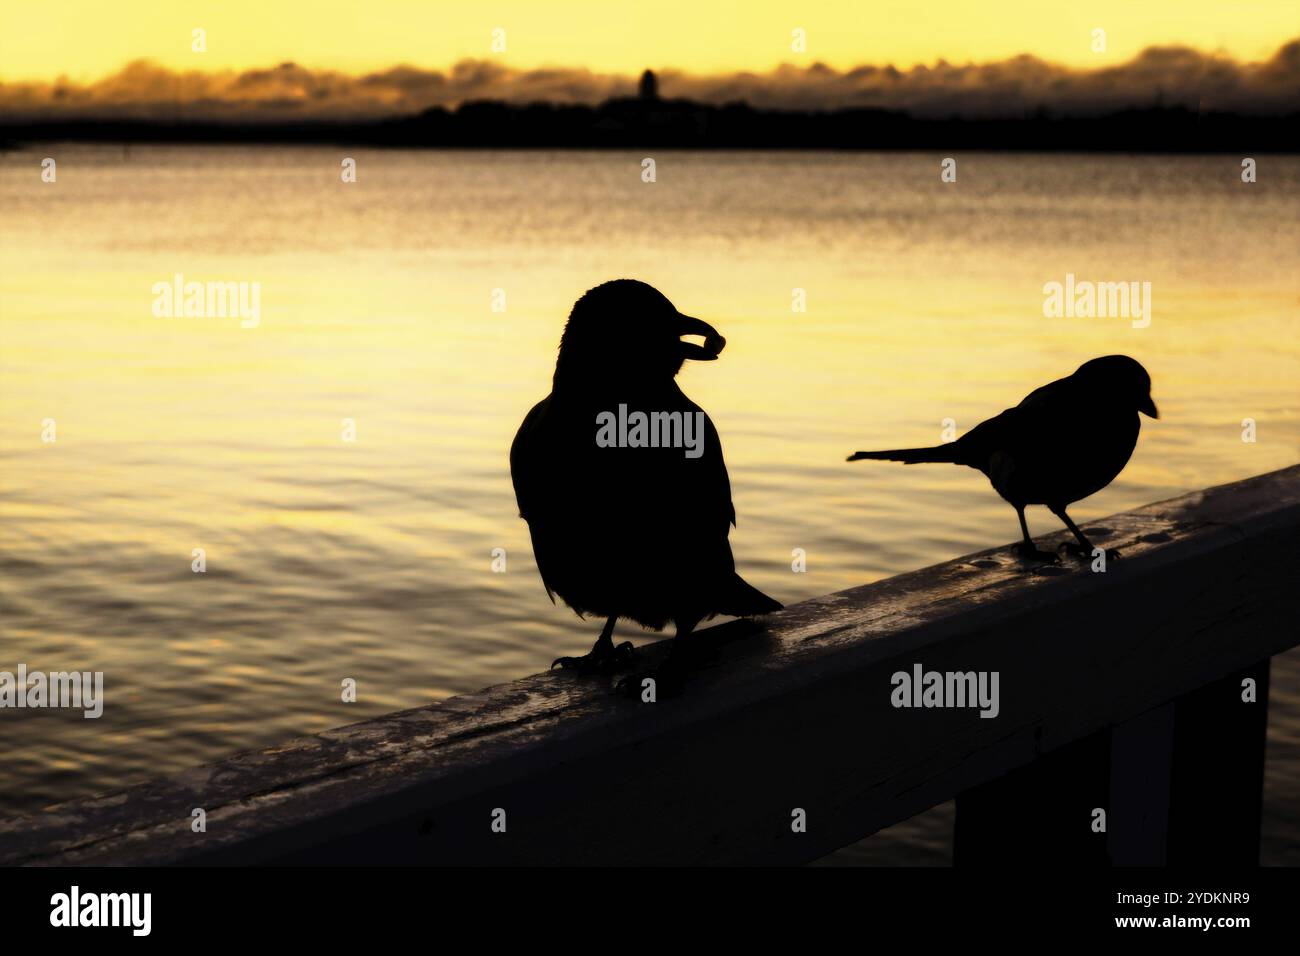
point(1120, 691)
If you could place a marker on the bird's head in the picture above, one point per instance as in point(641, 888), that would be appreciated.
point(626, 329)
point(1121, 378)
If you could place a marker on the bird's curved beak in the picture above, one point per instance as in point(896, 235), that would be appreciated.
point(713, 342)
point(1148, 407)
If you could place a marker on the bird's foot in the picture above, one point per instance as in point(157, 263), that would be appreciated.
point(1028, 552)
point(1079, 551)
point(599, 661)
point(669, 679)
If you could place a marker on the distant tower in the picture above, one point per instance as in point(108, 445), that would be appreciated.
point(649, 86)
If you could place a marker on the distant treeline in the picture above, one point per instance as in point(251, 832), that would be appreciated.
point(641, 123)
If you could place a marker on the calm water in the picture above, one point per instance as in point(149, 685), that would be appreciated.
point(371, 559)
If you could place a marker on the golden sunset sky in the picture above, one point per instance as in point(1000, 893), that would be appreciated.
point(84, 40)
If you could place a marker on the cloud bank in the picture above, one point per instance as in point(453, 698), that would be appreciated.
point(1168, 76)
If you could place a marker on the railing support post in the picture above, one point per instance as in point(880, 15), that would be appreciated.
point(1141, 761)
point(1217, 786)
point(1041, 813)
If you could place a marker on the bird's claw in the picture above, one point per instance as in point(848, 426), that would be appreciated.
point(1028, 552)
point(597, 662)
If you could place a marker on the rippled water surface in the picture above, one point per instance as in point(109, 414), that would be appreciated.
point(372, 559)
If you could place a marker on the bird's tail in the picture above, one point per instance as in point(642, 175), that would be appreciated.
point(743, 599)
point(911, 456)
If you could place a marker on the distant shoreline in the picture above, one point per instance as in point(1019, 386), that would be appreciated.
point(630, 123)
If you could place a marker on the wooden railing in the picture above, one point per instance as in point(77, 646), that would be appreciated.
point(1126, 692)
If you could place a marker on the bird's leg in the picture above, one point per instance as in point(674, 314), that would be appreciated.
point(1084, 548)
point(1027, 549)
point(670, 675)
point(604, 656)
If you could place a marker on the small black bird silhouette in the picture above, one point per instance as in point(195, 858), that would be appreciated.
point(1064, 442)
point(630, 532)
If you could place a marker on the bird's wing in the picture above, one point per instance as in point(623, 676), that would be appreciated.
point(1046, 401)
point(626, 521)
point(693, 503)
point(689, 495)
point(715, 480)
point(1014, 430)
point(978, 446)
point(523, 470)
point(532, 483)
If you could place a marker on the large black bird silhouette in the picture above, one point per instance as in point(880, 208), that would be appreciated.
point(1064, 442)
point(630, 532)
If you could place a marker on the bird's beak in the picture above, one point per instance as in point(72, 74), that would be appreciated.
point(713, 342)
point(1148, 407)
